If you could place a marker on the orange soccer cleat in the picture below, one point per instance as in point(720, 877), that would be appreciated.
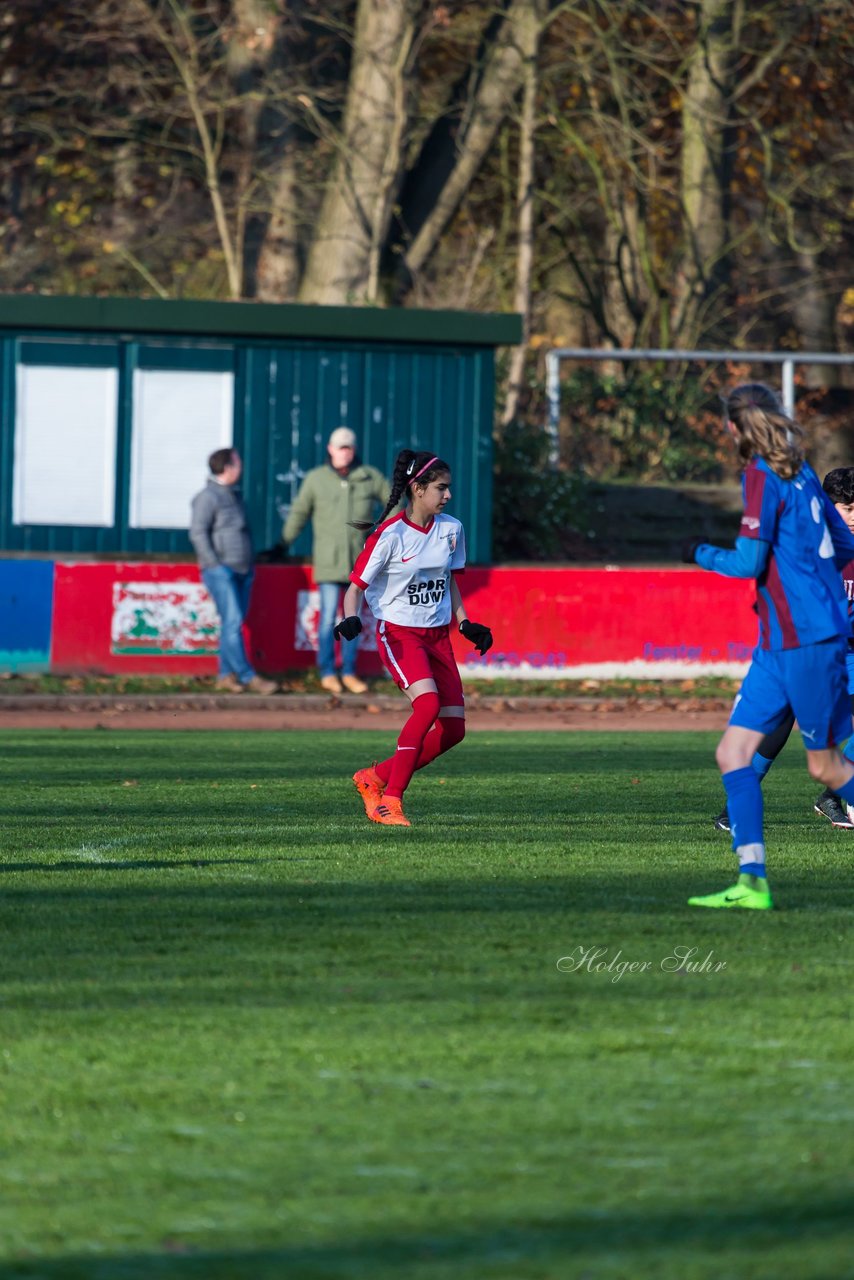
point(390, 813)
point(370, 787)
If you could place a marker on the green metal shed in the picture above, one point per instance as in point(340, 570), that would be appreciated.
point(110, 407)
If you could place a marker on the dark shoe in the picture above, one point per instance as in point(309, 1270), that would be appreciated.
point(722, 820)
point(829, 806)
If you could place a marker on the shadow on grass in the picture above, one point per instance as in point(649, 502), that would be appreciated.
point(727, 1240)
point(225, 759)
point(269, 943)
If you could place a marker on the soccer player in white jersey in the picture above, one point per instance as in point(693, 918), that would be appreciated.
point(408, 572)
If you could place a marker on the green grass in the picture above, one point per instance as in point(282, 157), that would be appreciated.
point(244, 1033)
point(308, 682)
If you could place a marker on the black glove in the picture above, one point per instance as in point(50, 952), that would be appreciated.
point(348, 628)
point(689, 549)
point(273, 555)
point(480, 636)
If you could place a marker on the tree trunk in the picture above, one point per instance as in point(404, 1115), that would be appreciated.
point(437, 154)
point(124, 222)
point(176, 34)
point(565, 313)
point(703, 176)
point(497, 88)
point(277, 274)
point(343, 260)
point(528, 35)
point(248, 61)
point(620, 288)
point(815, 316)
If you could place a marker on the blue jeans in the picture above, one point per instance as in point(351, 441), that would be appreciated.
point(230, 592)
point(330, 598)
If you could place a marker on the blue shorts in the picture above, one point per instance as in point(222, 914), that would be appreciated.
point(849, 662)
point(811, 681)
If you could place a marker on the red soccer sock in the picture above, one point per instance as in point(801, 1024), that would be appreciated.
point(401, 766)
point(446, 733)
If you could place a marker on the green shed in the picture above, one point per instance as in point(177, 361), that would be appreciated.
point(111, 406)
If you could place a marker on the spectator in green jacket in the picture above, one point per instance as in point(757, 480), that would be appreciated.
point(334, 497)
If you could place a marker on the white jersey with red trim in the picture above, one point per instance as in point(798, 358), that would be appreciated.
point(405, 571)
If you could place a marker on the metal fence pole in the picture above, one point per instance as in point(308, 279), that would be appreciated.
point(553, 393)
point(786, 359)
point(788, 373)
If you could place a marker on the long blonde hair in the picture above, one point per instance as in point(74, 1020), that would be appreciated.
point(764, 430)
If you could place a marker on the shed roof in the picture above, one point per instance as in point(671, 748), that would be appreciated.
point(258, 320)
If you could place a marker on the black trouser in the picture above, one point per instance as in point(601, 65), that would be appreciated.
point(774, 742)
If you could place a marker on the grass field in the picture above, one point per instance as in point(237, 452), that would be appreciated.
point(307, 681)
point(245, 1033)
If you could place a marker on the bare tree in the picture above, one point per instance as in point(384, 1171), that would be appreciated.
point(498, 85)
point(343, 261)
point(703, 182)
point(278, 267)
point(529, 30)
point(251, 40)
point(691, 175)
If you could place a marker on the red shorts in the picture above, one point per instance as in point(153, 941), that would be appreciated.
point(421, 653)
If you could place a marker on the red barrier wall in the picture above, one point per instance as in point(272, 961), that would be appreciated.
point(644, 620)
point(156, 618)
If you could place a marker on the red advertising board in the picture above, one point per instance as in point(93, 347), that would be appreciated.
point(645, 622)
point(142, 618)
point(156, 618)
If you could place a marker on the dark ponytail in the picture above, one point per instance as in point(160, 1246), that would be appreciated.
point(408, 467)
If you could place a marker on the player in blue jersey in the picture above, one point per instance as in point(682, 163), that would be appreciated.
point(839, 487)
point(794, 543)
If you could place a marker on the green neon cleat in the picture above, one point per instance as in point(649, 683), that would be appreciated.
point(739, 895)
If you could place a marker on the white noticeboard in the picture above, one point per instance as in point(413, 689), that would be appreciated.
point(65, 446)
point(179, 418)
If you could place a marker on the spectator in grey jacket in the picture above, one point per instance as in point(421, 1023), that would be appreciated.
point(219, 532)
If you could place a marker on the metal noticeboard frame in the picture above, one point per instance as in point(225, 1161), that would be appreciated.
point(786, 359)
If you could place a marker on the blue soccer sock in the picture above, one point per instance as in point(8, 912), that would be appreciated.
point(761, 765)
point(744, 801)
point(846, 792)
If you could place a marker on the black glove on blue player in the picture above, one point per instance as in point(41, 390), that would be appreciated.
point(689, 549)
